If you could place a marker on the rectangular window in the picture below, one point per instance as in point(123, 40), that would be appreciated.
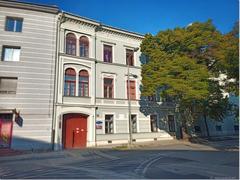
point(107, 53)
point(152, 98)
point(197, 129)
point(108, 124)
point(171, 123)
point(218, 128)
point(153, 119)
point(129, 57)
point(236, 128)
point(134, 123)
point(108, 88)
point(11, 53)
point(14, 24)
point(8, 85)
point(132, 89)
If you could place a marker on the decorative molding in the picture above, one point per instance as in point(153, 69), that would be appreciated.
point(108, 29)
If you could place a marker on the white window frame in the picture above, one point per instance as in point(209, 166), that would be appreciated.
point(108, 75)
point(114, 122)
point(155, 114)
point(134, 55)
point(136, 87)
point(113, 51)
point(137, 121)
point(12, 48)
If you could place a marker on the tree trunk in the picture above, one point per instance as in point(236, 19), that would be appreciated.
point(205, 121)
point(185, 135)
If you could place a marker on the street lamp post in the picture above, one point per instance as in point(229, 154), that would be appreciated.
point(129, 99)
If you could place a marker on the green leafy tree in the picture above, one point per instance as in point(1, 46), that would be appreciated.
point(230, 65)
point(215, 106)
point(183, 62)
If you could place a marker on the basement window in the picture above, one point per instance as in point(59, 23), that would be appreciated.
point(197, 129)
point(8, 85)
point(218, 128)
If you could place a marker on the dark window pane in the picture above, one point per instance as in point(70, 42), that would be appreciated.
point(83, 83)
point(70, 82)
point(236, 128)
point(171, 123)
point(14, 24)
point(129, 57)
point(108, 124)
point(197, 129)
point(71, 44)
point(134, 123)
point(10, 24)
point(108, 88)
point(19, 25)
point(107, 53)
point(218, 128)
point(84, 46)
point(153, 119)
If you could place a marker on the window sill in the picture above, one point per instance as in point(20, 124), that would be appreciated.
point(2, 92)
point(87, 97)
point(108, 98)
point(13, 31)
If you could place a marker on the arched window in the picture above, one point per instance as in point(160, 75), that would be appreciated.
point(83, 83)
point(84, 46)
point(70, 82)
point(71, 44)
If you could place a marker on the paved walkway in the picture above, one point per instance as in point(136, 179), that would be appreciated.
point(9, 152)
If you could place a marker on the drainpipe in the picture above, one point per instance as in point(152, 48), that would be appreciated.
point(95, 92)
point(98, 28)
point(56, 77)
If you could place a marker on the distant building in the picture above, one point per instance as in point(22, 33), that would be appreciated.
point(229, 125)
point(27, 68)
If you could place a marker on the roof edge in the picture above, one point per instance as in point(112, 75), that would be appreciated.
point(107, 27)
point(30, 6)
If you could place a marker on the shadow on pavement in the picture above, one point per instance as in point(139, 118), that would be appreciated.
point(224, 143)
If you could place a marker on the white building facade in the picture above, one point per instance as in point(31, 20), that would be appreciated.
point(92, 96)
point(27, 69)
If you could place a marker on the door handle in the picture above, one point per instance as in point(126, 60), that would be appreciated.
point(73, 139)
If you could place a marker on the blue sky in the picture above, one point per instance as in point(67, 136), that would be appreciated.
point(151, 16)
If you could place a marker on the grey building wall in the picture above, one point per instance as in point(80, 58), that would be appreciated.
point(228, 126)
point(35, 73)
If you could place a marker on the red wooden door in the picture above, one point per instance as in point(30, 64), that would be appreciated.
point(5, 133)
point(74, 131)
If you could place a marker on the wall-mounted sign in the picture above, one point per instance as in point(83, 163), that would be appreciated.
point(99, 124)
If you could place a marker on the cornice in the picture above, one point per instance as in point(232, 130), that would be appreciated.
point(29, 6)
point(105, 28)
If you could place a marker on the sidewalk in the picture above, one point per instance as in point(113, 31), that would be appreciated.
point(213, 139)
point(194, 145)
point(9, 152)
point(172, 144)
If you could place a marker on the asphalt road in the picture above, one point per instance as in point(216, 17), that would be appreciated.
point(153, 161)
